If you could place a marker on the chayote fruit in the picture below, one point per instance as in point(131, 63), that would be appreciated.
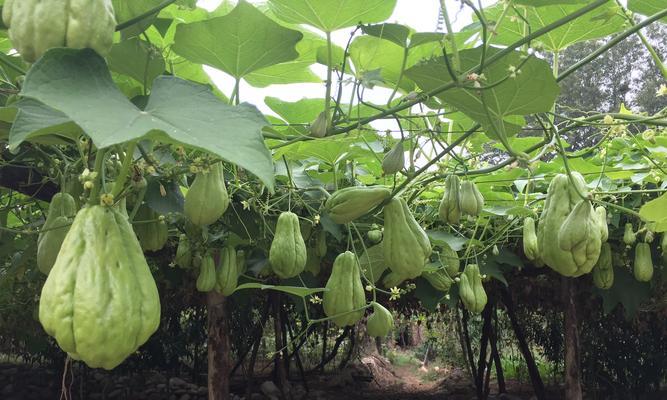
point(287, 254)
point(394, 160)
point(100, 301)
point(54, 230)
point(629, 236)
point(207, 198)
point(602, 220)
point(580, 235)
point(471, 199)
point(345, 297)
point(603, 272)
point(38, 25)
point(151, 232)
point(438, 278)
point(562, 197)
point(530, 247)
point(207, 277)
point(227, 273)
point(471, 289)
point(348, 204)
point(380, 322)
point(406, 246)
point(450, 205)
point(643, 266)
point(449, 258)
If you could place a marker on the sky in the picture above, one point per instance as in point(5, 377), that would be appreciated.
point(422, 15)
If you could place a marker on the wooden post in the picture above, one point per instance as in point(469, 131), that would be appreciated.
point(218, 347)
point(571, 322)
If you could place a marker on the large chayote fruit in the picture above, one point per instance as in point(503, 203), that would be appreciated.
point(287, 254)
point(348, 204)
point(38, 25)
point(61, 211)
point(406, 246)
point(151, 231)
point(207, 198)
point(345, 295)
point(581, 236)
point(568, 253)
point(100, 301)
point(380, 322)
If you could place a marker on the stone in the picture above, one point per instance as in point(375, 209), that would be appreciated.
point(270, 389)
point(176, 381)
point(185, 397)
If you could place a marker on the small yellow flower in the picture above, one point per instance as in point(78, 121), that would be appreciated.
point(245, 204)
point(395, 293)
point(608, 119)
point(316, 300)
point(662, 90)
point(106, 199)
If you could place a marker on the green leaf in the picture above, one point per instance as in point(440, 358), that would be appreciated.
point(540, 3)
point(370, 54)
point(243, 41)
point(295, 71)
point(78, 84)
point(647, 7)
point(533, 90)
point(35, 121)
point(656, 211)
point(601, 22)
point(626, 290)
point(303, 111)
point(294, 290)
point(126, 10)
point(329, 16)
point(395, 33)
point(138, 59)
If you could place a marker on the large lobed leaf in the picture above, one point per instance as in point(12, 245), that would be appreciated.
point(77, 83)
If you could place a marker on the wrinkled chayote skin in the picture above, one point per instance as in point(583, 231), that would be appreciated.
point(406, 246)
point(348, 204)
point(471, 199)
point(288, 254)
point(345, 292)
point(471, 289)
point(643, 266)
point(603, 272)
point(562, 197)
point(380, 322)
point(227, 273)
point(38, 25)
point(580, 235)
point(152, 235)
point(100, 301)
point(450, 205)
point(207, 198)
point(61, 211)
